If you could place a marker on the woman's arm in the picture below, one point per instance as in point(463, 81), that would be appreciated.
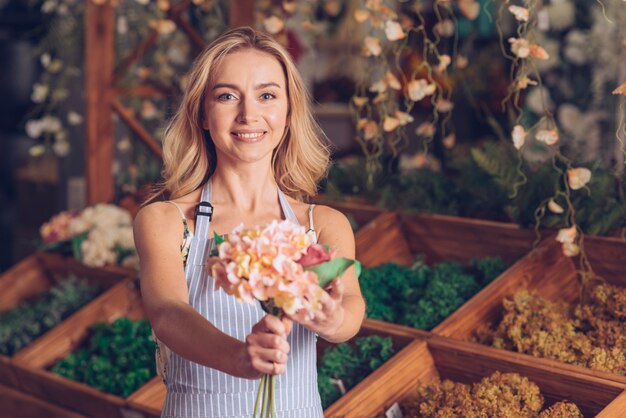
point(158, 233)
point(343, 306)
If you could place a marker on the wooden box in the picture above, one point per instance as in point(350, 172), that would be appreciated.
point(31, 364)
point(441, 358)
point(392, 237)
point(36, 274)
point(16, 404)
point(150, 398)
point(550, 274)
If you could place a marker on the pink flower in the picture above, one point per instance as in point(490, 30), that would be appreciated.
point(316, 254)
point(58, 228)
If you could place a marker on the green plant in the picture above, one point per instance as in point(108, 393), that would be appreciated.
point(351, 363)
point(421, 296)
point(30, 319)
point(117, 358)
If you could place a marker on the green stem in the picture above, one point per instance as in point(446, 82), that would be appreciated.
point(258, 396)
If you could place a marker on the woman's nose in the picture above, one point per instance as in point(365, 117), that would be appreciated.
point(248, 111)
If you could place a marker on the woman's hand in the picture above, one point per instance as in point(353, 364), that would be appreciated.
point(266, 348)
point(329, 319)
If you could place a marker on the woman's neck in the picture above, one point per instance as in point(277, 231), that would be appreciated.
point(245, 189)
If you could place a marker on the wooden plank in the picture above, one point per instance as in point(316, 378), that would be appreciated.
point(99, 140)
point(25, 280)
point(150, 398)
point(144, 136)
point(617, 408)
point(241, 13)
point(16, 404)
point(445, 238)
point(381, 241)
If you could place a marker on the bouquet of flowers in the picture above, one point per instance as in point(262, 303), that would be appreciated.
point(97, 235)
point(278, 265)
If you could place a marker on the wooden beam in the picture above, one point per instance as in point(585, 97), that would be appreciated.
point(242, 13)
point(126, 115)
point(99, 61)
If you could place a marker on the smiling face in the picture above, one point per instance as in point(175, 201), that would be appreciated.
point(246, 106)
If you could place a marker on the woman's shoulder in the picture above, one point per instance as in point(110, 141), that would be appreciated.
point(323, 216)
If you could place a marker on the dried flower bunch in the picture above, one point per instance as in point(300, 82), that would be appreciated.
point(591, 335)
point(497, 395)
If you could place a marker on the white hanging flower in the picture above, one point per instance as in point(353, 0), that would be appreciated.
point(444, 105)
point(519, 136)
point(371, 46)
point(418, 89)
point(393, 30)
point(74, 118)
point(570, 249)
point(122, 25)
point(578, 177)
point(404, 118)
point(390, 123)
point(520, 47)
point(379, 87)
point(45, 59)
point(61, 148)
point(426, 129)
point(361, 15)
point(555, 207)
point(520, 13)
point(444, 61)
point(392, 81)
point(273, 24)
point(546, 136)
point(33, 128)
point(37, 150)
point(444, 28)
point(449, 141)
point(359, 101)
point(40, 92)
point(566, 235)
point(163, 26)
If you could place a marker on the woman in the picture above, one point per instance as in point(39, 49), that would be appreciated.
point(244, 141)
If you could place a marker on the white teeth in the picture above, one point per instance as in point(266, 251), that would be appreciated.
point(249, 136)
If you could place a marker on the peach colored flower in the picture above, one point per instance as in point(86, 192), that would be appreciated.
point(445, 28)
point(622, 88)
point(449, 141)
point(519, 136)
point(461, 62)
point(290, 6)
point(392, 81)
point(444, 105)
point(538, 52)
point(58, 228)
point(394, 31)
point(418, 89)
point(520, 47)
point(578, 177)
point(520, 13)
point(567, 235)
point(371, 46)
point(163, 26)
point(359, 101)
point(369, 128)
point(273, 24)
point(549, 137)
point(444, 61)
point(380, 97)
point(469, 8)
point(524, 82)
point(379, 86)
point(361, 15)
point(404, 118)
point(555, 207)
point(426, 129)
point(390, 123)
point(570, 249)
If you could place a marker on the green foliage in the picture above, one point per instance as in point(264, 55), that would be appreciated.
point(422, 191)
point(117, 358)
point(351, 363)
point(30, 319)
point(422, 296)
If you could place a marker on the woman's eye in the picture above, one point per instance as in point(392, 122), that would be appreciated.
point(225, 97)
point(268, 96)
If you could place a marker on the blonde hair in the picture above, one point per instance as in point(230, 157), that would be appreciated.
point(299, 161)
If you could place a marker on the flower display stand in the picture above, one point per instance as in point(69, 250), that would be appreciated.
point(442, 358)
point(31, 364)
point(550, 274)
point(36, 274)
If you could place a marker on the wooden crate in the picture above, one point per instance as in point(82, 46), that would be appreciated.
point(150, 398)
point(392, 237)
point(441, 358)
point(16, 404)
point(36, 274)
point(31, 364)
point(550, 274)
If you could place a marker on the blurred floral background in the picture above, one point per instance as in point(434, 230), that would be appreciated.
point(504, 110)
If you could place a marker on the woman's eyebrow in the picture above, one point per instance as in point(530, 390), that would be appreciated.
point(234, 87)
